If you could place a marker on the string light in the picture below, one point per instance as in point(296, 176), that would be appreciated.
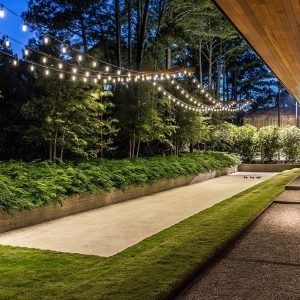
point(46, 40)
point(2, 12)
point(24, 27)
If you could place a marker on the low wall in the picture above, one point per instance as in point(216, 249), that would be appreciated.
point(81, 203)
point(266, 167)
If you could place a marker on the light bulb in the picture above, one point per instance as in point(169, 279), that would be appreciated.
point(74, 78)
point(31, 68)
point(107, 69)
point(74, 70)
point(24, 27)
point(15, 62)
point(60, 66)
point(44, 59)
point(64, 49)
point(99, 76)
point(94, 64)
point(47, 72)
point(26, 52)
point(2, 12)
point(79, 57)
point(109, 78)
point(46, 40)
point(95, 80)
point(7, 43)
point(87, 74)
point(84, 79)
point(61, 76)
point(119, 72)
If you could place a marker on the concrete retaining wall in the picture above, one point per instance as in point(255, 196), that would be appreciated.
point(80, 203)
point(266, 167)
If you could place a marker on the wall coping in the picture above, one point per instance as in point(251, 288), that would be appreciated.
point(267, 167)
point(85, 202)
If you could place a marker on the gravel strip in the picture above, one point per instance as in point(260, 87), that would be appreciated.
point(263, 264)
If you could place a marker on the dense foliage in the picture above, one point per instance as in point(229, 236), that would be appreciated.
point(269, 143)
point(50, 118)
point(29, 185)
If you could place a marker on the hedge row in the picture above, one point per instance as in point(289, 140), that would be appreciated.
point(29, 185)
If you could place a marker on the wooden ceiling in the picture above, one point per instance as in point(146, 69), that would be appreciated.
point(272, 28)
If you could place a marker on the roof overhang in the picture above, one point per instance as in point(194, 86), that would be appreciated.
point(272, 28)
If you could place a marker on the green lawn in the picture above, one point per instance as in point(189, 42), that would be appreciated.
point(148, 270)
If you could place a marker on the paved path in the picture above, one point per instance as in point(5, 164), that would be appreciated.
point(109, 230)
point(263, 264)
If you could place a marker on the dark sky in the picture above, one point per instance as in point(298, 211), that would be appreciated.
point(12, 25)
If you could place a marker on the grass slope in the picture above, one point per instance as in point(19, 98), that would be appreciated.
point(31, 185)
point(148, 270)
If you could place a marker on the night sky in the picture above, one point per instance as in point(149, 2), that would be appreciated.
point(11, 25)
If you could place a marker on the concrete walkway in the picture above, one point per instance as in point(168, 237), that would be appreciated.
point(263, 264)
point(109, 230)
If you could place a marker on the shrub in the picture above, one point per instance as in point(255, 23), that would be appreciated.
point(290, 142)
point(269, 142)
point(245, 144)
point(29, 185)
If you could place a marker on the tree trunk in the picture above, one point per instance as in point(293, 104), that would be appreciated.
point(168, 58)
point(200, 74)
point(129, 20)
point(210, 63)
point(219, 72)
point(62, 146)
point(138, 149)
point(118, 32)
point(141, 32)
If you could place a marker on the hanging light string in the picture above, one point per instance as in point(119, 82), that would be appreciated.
point(210, 98)
point(51, 37)
point(181, 103)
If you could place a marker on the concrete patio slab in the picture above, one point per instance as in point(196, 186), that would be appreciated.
point(109, 230)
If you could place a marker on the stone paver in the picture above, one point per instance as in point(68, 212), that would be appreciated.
point(109, 230)
point(263, 264)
